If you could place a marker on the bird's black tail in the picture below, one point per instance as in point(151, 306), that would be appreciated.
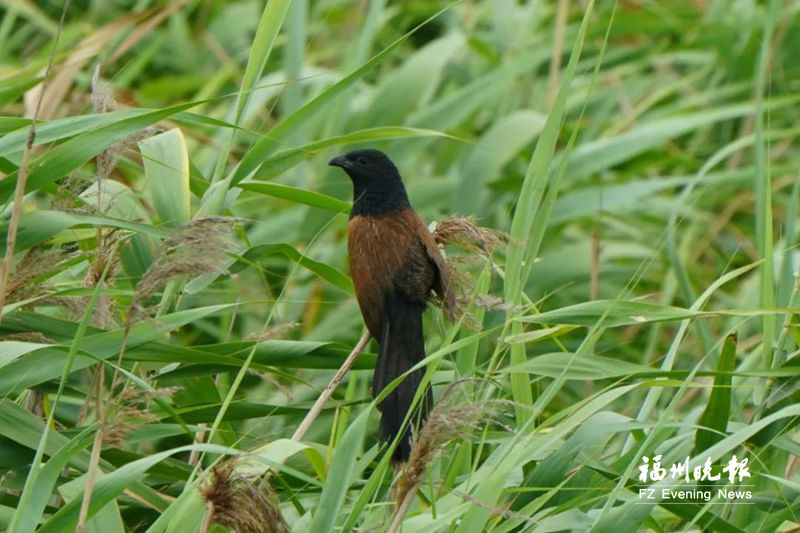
point(401, 347)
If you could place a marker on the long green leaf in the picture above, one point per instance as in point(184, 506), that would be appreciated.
point(46, 364)
point(299, 196)
point(323, 270)
point(717, 412)
point(339, 476)
point(109, 486)
point(536, 178)
point(166, 168)
point(57, 163)
point(39, 226)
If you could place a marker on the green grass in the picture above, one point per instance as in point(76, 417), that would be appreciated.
point(646, 302)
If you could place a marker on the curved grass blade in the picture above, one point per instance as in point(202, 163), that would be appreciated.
point(716, 414)
point(340, 475)
point(536, 179)
point(166, 170)
point(57, 163)
point(326, 272)
point(113, 484)
point(39, 226)
point(298, 196)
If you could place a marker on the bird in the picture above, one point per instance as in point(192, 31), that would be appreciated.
point(396, 266)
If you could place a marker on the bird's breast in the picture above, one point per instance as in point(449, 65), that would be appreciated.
point(377, 249)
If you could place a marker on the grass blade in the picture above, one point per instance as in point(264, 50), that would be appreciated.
point(536, 179)
point(166, 168)
point(715, 417)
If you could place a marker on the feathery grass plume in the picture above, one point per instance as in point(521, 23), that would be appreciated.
point(198, 247)
point(67, 196)
point(491, 302)
point(465, 232)
point(461, 283)
point(128, 411)
point(37, 262)
point(237, 502)
point(29, 336)
point(103, 101)
point(105, 256)
point(102, 98)
point(105, 259)
point(121, 420)
point(273, 332)
point(74, 305)
point(454, 416)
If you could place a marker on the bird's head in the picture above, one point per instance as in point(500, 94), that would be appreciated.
point(367, 167)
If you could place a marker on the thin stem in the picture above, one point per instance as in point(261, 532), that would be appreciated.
point(94, 460)
point(326, 394)
point(22, 177)
point(403, 508)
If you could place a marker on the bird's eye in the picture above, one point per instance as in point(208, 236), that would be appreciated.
point(361, 160)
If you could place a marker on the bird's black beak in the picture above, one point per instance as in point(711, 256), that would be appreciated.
point(339, 161)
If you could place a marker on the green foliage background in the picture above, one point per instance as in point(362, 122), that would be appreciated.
point(641, 155)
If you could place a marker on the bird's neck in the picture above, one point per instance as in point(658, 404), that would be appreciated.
point(378, 199)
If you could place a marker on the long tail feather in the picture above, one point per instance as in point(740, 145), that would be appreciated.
point(401, 347)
